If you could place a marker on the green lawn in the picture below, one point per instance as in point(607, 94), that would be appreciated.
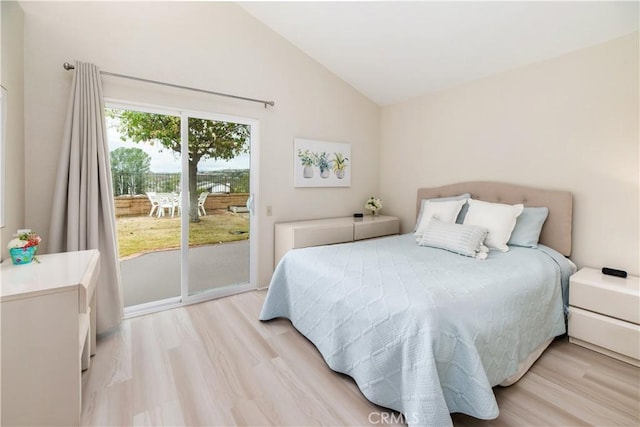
point(146, 234)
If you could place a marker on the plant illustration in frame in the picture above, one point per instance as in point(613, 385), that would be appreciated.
point(307, 160)
point(321, 163)
point(340, 163)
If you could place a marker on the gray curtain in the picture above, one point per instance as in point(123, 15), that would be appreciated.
point(83, 214)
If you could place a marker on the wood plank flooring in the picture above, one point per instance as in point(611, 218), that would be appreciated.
point(215, 364)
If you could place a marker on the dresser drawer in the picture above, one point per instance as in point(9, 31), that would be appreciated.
point(375, 228)
point(303, 234)
point(613, 334)
point(316, 236)
point(613, 296)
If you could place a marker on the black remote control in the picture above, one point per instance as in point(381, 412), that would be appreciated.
point(614, 272)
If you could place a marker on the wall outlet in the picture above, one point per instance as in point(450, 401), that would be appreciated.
point(269, 210)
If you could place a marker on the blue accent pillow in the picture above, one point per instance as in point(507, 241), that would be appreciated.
point(528, 227)
point(461, 214)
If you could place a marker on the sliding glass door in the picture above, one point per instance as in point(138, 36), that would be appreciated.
point(218, 221)
point(146, 172)
point(182, 182)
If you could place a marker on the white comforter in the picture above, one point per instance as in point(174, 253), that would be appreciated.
point(421, 330)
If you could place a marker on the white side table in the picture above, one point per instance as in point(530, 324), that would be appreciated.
point(604, 314)
point(48, 328)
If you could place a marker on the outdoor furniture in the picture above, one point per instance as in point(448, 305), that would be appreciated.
point(176, 200)
point(201, 199)
point(153, 199)
point(167, 201)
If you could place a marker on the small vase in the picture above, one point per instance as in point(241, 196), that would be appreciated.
point(376, 213)
point(307, 172)
point(22, 255)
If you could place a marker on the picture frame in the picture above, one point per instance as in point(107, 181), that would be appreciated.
point(321, 163)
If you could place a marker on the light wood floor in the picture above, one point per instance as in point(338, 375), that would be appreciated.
point(215, 364)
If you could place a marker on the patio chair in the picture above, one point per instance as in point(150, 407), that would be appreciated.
point(201, 199)
point(153, 199)
point(176, 200)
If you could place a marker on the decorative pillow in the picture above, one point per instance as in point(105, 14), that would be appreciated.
point(458, 238)
point(463, 211)
point(498, 218)
point(528, 227)
point(444, 211)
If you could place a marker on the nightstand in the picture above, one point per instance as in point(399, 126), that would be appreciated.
point(604, 314)
point(303, 234)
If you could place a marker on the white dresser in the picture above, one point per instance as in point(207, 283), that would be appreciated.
point(604, 314)
point(302, 234)
point(48, 333)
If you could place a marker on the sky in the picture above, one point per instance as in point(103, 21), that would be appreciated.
point(167, 161)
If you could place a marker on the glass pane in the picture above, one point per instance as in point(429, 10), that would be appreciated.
point(145, 169)
point(218, 218)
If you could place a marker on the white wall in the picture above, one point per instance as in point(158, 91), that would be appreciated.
point(570, 123)
point(12, 79)
point(216, 46)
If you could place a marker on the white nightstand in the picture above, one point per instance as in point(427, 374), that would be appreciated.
point(604, 314)
point(302, 234)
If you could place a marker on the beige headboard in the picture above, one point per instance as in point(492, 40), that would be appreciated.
point(556, 232)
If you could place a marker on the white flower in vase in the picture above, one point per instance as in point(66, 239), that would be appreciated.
point(374, 204)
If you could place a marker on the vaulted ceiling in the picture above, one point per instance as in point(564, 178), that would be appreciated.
point(392, 51)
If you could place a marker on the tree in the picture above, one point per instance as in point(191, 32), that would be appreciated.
point(129, 167)
point(208, 139)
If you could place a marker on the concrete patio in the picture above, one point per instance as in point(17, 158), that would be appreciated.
point(155, 276)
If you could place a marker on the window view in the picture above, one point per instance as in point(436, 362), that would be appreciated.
point(146, 166)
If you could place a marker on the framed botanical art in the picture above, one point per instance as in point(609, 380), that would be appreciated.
point(321, 163)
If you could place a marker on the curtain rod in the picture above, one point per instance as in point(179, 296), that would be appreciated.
point(68, 67)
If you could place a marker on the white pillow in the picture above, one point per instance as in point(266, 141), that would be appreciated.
point(443, 211)
point(458, 238)
point(443, 199)
point(498, 218)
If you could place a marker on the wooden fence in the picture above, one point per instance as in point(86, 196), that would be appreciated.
point(140, 205)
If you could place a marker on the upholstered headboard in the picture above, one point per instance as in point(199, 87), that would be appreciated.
point(556, 232)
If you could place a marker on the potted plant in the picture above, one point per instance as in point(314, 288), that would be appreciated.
point(23, 248)
point(322, 161)
point(374, 204)
point(307, 160)
point(339, 164)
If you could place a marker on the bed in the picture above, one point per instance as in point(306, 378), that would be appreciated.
point(424, 331)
